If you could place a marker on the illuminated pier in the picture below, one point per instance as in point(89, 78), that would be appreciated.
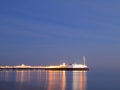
point(53, 67)
point(60, 67)
point(20, 67)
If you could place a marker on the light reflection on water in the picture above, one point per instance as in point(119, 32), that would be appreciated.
point(44, 80)
point(56, 79)
point(79, 80)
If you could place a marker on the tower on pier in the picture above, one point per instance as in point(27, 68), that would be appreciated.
point(84, 60)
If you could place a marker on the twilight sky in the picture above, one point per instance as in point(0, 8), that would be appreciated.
point(50, 32)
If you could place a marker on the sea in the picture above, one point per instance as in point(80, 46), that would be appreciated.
point(59, 80)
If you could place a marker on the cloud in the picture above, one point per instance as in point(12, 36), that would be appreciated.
point(35, 28)
point(32, 28)
point(18, 33)
point(96, 34)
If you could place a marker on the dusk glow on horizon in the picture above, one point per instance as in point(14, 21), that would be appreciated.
point(52, 32)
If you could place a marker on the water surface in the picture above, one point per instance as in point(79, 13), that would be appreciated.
point(58, 80)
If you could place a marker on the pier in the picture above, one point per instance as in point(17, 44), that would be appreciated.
point(60, 67)
point(21, 67)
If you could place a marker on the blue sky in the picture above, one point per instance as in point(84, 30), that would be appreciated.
point(45, 32)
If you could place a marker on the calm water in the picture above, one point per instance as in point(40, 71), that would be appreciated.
point(59, 80)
